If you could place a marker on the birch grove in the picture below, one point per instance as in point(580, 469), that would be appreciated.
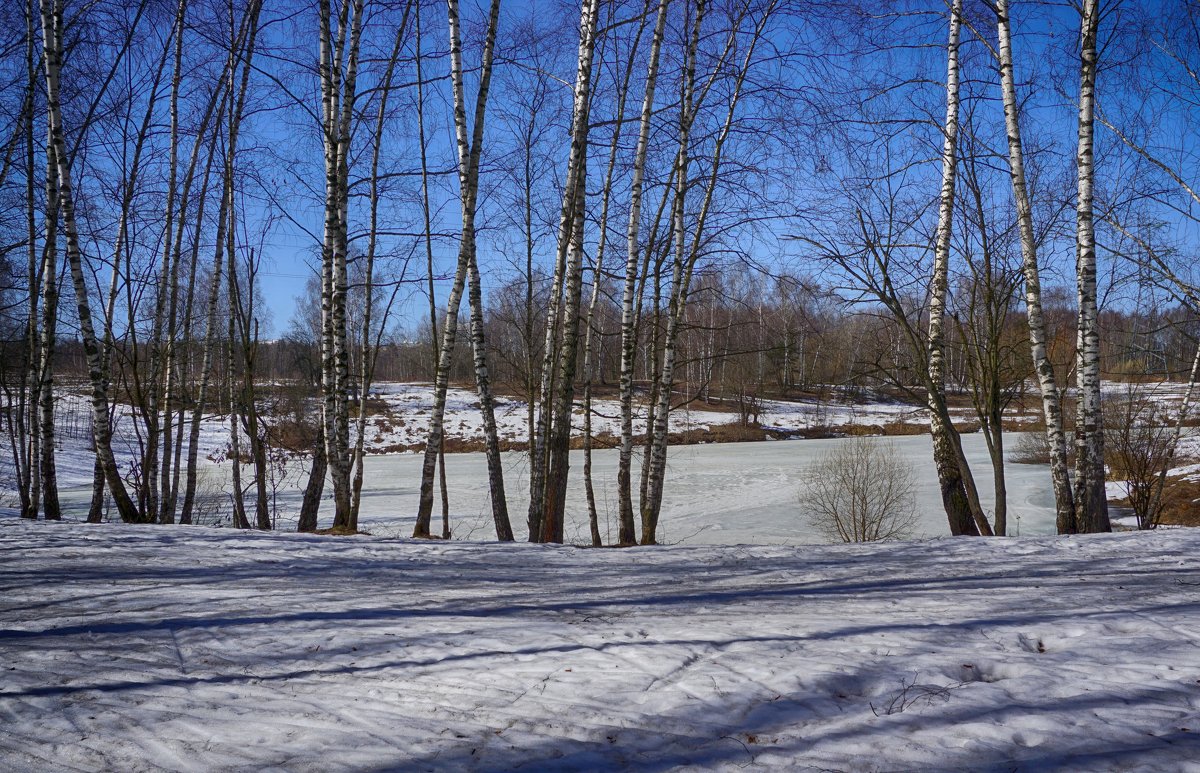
point(236, 241)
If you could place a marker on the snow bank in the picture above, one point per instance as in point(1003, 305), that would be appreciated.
point(147, 648)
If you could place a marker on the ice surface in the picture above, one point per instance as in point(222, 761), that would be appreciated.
point(726, 493)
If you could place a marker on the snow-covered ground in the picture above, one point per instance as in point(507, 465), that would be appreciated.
point(145, 648)
point(409, 407)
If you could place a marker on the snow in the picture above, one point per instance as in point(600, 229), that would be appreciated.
point(409, 406)
point(146, 648)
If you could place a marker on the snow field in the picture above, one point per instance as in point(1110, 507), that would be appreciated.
point(193, 649)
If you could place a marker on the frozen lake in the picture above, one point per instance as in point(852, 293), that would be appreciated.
point(720, 494)
point(723, 494)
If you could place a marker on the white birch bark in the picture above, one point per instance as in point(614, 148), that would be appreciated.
point(500, 517)
point(597, 270)
point(145, 392)
point(241, 49)
point(234, 413)
point(178, 351)
point(369, 352)
point(688, 250)
point(538, 463)
point(339, 69)
point(30, 421)
point(626, 529)
point(557, 439)
point(1091, 502)
point(597, 277)
point(47, 473)
point(51, 12)
point(470, 149)
point(168, 285)
point(950, 476)
point(1051, 401)
point(432, 295)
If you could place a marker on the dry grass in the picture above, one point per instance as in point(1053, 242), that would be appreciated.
point(341, 531)
point(1180, 502)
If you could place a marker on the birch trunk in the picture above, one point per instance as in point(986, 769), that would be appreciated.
point(47, 472)
point(950, 476)
point(311, 503)
point(148, 395)
point(51, 12)
point(686, 254)
point(537, 450)
point(168, 285)
point(558, 444)
point(241, 47)
point(367, 360)
point(626, 530)
point(97, 507)
point(206, 366)
point(185, 515)
point(1091, 501)
point(235, 448)
point(470, 184)
point(570, 247)
point(338, 73)
point(487, 404)
point(178, 352)
point(540, 455)
point(597, 275)
point(31, 410)
point(441, 382)
point(240, 520)
point(248, 402)
point(428, 241)
point(1051, 401)
point(995, 431)
point(654, 464)
point(470, 149)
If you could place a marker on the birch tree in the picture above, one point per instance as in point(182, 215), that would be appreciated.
point(950, 474)
point(1090, 499)
point(549, 462)
point(627, 534)
point(47, 474)
point(28, 422)
point(688, 243)
point(1064, 501)
point(988, 336)
point(470, 149)
point(338, 68)
point(427, 242)
point(164, 312)
point(370, 348)
point(178, 354)
point(597, 277)
point(52, 36)
point(241, 51)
